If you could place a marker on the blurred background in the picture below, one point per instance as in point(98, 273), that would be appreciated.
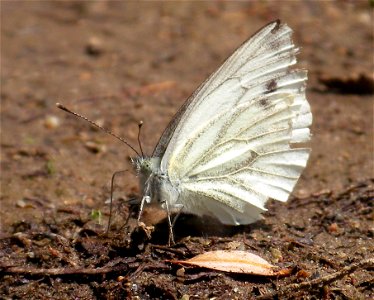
point(120, 62)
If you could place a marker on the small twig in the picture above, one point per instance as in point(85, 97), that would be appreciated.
point(63, 271)
point(137, 272)
point(168, 249)
point(293, 287)
point(354, 187)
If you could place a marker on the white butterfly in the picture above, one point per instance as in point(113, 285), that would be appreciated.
point(228, 149)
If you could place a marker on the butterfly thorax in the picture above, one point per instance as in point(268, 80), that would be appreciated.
point(154, 182)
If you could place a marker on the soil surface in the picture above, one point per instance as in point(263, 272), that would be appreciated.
point(121, 62)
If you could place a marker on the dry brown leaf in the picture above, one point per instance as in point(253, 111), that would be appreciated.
point(234, 261)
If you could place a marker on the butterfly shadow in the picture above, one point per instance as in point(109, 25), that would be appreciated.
point(205, 227)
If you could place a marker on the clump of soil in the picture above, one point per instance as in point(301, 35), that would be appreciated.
point(69, 255)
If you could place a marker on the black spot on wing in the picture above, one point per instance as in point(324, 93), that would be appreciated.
point(271, 86)
point(264, 102)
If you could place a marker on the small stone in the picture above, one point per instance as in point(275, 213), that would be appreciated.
point(181, 272)
point(277, 255)
point(52, 122)
point(23, 204)
point(333, 228)
point(235, 245)
point(342, 255)
point(95, 148)
point(94, 47)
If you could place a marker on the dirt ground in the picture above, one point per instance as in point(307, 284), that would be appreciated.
point(122, 62)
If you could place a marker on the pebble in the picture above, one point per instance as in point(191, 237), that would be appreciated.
point(235, 245)
point(94, 47)
point(333, 228)
point(181, 272)
point(276, 254)
point(95, 148)
point(52, 122)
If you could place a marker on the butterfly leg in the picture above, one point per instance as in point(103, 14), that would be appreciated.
point(171, 233)
point(144, 199)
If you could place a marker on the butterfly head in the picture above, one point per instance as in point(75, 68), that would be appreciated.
point(146, 165)
point(149, 173)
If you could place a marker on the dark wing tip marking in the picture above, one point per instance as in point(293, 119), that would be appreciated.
point(276, 27)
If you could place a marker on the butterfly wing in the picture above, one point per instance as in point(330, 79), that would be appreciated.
point(253, 46)
point(228, 149)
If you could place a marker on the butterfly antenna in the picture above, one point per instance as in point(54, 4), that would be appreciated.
point(140, 125)
point(60, 106)
point(111, 197)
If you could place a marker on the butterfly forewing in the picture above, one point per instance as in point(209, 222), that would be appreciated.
point(229, 148)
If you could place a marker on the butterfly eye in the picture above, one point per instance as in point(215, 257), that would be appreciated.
point(145, 166)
